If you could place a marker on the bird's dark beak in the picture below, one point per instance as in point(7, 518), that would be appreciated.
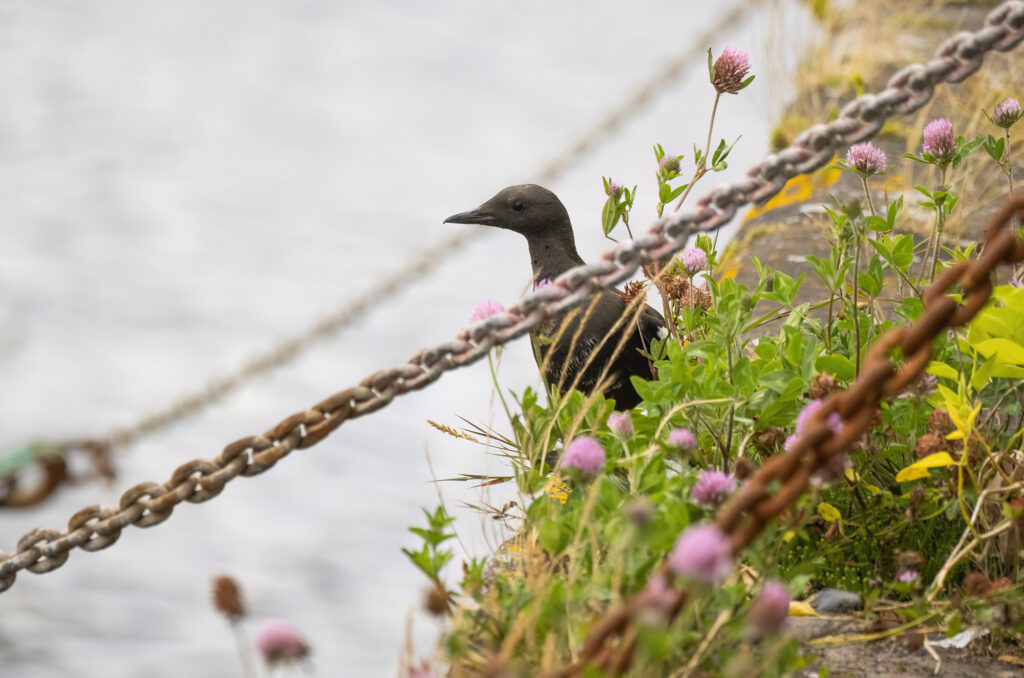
point(471, 217)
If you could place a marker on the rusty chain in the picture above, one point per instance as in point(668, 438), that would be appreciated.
point(150, 503)
point(777, 485)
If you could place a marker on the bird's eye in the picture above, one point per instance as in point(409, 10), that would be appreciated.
point(518, 206)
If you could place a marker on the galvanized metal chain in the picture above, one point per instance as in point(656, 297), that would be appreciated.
point(413, 269)
point(777, 485)
point(147, 504)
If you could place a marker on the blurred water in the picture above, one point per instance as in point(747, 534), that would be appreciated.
point(183, 183)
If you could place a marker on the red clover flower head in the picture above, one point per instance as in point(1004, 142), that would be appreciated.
point(543, 282)
point(770, 609)
point(938, 139)
point(669, 163)
point(621, 424)
point(701, 552)
point(614, 190)
point(1007, 113)
point(866, 158)
point(279, 642)
point(694, 259)
point(802, 419)
point(730, 70)
point(485, 309)
point(682, 438)
point(712, 487)
point(585, 455)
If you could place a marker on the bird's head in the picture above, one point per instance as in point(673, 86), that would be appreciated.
point(531, 210)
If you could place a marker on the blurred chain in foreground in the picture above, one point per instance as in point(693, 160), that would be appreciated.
point(49, 455)
point(150, 503)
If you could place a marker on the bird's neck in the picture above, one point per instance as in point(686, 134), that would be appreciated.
point(551, 257)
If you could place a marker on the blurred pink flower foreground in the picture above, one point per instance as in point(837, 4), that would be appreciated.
point(769, 611)
point(702, 552)
point(712, 487)
point(682, 438)
point(277, 641)
point(585, 455)
point(621, 424)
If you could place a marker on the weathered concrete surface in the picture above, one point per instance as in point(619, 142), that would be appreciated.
point(893, 657)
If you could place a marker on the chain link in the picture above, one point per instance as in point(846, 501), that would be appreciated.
point(147, 504)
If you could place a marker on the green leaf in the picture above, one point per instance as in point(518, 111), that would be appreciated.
point(839, 366)
point(903, 251)
point(1003, 350)
point(984, 373)
point(777, 380)
point(609, 215)
point(553, 535)
point(894, 211)
point(870, 284)
point(879, 224)
point(942, 370)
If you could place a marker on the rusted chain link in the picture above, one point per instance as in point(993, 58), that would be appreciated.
point(413, 269)
point(146, 504)
point(758, 501)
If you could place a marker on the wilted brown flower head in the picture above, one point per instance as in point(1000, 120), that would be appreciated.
point(822, 385)
point(910, 560)
point(227, 598)
point(770, 440)
point(917, 497)
point(640, 511)
point(634, 288)
point(929, 443)
point(437, 601)
point(743, 469)
point(678, 287)
point(977, 584)
point(939, 423)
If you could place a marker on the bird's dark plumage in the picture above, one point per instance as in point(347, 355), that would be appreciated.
point(564, 351)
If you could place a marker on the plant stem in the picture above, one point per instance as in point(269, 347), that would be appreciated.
point(867, 194)
point(248, 667)
point(1009, 178)
point(828, 328)
point(732, 411)
point(858, 243)
point(704, 159)
point(853, 304)
point(939, 225)
point(1009, 166)
point(494, 380)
